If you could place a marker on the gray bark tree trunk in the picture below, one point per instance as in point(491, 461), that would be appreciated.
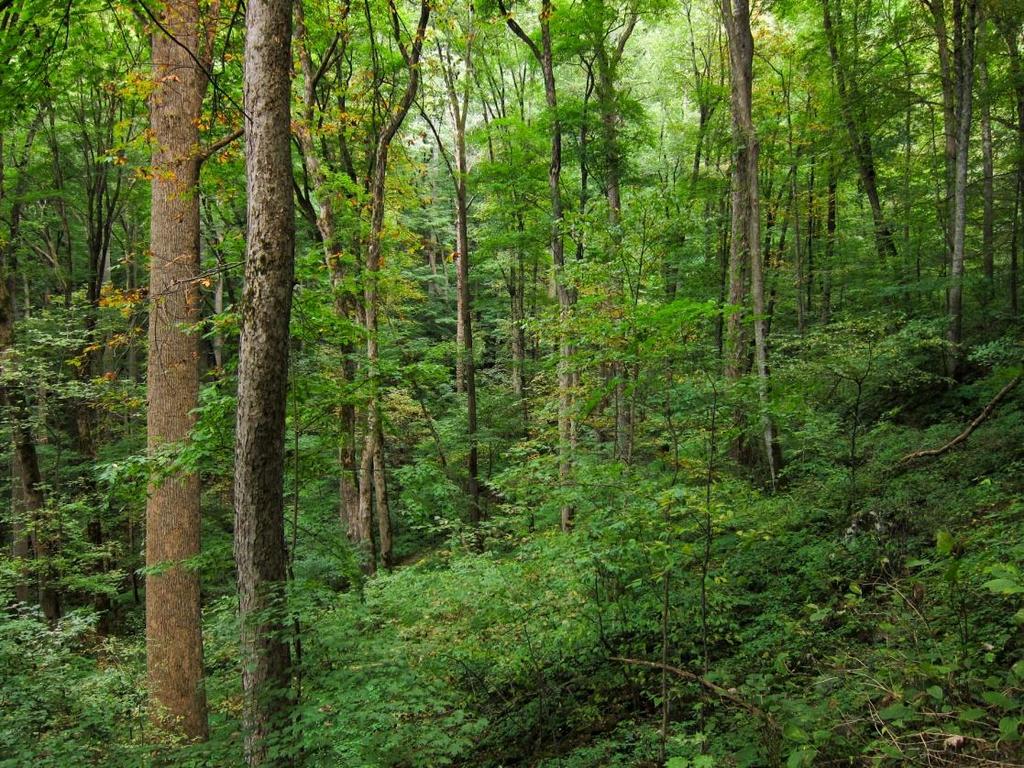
point(746, 228)
point(964, 28)
point(260, 555)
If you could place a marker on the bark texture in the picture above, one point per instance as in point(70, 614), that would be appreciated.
point(174, 639)
point(260, 555)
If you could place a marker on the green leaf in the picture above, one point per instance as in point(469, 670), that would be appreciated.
point(1009, 728)
point(896, 711)
point(998, 699)
point(1004, 586)
point(801, 757)
point(943, 543)
point(794, 732)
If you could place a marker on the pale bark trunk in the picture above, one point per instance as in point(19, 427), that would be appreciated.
point(965, 23)
point(746, 236)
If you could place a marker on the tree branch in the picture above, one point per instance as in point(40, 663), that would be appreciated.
point(981, 417)
point(211, 149)
point(718, 690)
point(518, 31)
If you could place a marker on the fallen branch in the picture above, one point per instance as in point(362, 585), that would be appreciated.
point(718, 690)
point(985, 413)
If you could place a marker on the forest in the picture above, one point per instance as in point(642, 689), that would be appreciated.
point(511, 383)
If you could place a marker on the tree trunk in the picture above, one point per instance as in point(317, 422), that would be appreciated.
point(965, 24)
point(13, 393)
point(1009, 26)
point(174, 637)
point(339, 268)
point(987, 192)
point(566, 429)
point(260, 555)
point(373, 452)
point(746, 245)
point(830, 246)
point(21, 542)
point(465, 320)
point(458, 105)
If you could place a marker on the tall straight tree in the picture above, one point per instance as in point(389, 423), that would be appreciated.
point(458, 106)
point(338, 264)
point(260, 556)
point(174, 637)
point(965, 22)
point(545, 59)
point(372, 476)
point(745, 247)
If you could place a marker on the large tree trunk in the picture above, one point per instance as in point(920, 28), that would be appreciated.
point(260, 555)
point(174, 636)
point(964, 24)
point(746, 235)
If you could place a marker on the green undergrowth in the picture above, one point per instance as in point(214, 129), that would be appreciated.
point(873, 621)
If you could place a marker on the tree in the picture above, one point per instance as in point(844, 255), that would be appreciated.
point(341, 270)
point(545, 59)
point(260, 556)
point(372, 477)
point(457, 96)
point(965, 21)
point(174, 636)
point(851, 104)
point(745, 245)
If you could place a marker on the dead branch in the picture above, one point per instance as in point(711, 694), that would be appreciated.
point(714, 688)
point(985, 413)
